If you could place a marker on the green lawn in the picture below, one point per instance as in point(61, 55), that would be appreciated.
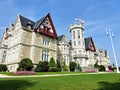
point(107, 81)
point(41, 73)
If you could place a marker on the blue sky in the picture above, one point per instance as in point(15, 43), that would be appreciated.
point(97, 15)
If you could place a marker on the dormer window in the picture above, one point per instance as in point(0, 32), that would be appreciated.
point(29, 25)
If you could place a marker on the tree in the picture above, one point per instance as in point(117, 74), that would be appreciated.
point(42, 67)
point(72, 65)
point(96, 65)
point(52, 63)
point(26, 64)
point(3, 67)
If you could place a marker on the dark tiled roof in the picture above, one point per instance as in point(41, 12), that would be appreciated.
point(38, 23)
point(25, 21)
point(35, 25)
point(60, 37)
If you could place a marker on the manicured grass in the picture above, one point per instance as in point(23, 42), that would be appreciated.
point(7, 73)
point(107, 81)
point(40, 73)
point(47, 73)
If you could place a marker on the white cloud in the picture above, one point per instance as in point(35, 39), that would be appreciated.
point(90, 23)
point(90, 8)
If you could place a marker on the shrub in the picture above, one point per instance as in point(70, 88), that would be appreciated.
point(110, 67)
point(42, 67)
point(26, 64)
point(65, 68)
point(59, 69)
point(108, 71)
point(90, 71)
point(113, 68)
point(24, 72)
point(3, 67)
point(101, 68)
point(53, 70)
point(78, 68)
point(73, 66)
point(18, 69)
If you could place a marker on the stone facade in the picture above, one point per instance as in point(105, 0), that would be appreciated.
point(63, 50)
point(38, 41)
point(22, 41)
point(83, 50)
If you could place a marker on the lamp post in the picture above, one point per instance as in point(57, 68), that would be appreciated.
point(110, 33)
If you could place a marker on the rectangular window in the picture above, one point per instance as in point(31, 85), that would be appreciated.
point(46, 41)
point(65, 60)
point(78, 42)
point(75, 52)
point(80, 62)
point(78, 32)
point(65, 47)
point(73, 34)
point(45, 55)
point(4, 56)
point(80, 51)
point(74, 43)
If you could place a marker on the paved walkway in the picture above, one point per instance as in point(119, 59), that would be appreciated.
point(51, 75)
point(2, 75)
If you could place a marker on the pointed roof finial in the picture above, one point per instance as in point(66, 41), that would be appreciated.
point(18, 14)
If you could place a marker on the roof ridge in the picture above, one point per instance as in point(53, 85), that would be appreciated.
point(25, 18)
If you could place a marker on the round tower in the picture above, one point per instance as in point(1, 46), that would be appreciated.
point(77, 42)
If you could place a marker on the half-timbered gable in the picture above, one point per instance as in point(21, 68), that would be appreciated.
point(89, 44)
point(45, 26)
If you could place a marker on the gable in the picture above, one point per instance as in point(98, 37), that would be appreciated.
point(46, 27)
point(90, 44)
point(60, 38)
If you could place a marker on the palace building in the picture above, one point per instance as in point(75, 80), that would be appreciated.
point(28, 39)
point(39, 42)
